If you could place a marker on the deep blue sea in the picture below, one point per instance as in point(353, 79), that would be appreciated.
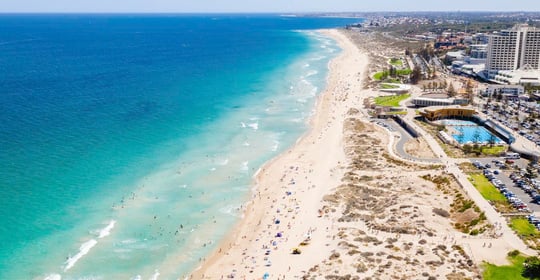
point(128, 142)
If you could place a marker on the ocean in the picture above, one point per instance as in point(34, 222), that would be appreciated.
point(129, 142)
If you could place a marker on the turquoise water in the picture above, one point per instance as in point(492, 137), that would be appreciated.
point(129, 142)
point(469, 132)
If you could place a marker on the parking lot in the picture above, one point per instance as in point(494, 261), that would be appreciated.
point(516, 116)
point(504, 176)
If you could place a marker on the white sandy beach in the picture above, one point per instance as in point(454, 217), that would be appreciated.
point(307, 171)
point(303, 195)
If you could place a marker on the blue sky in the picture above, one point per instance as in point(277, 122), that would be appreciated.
point(264, 5)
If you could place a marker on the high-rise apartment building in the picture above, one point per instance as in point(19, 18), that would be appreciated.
point(517, 48)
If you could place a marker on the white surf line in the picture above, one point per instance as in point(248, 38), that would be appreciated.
point(53, 276)
point(88, 245)
point(107, 230)
point(155, 276)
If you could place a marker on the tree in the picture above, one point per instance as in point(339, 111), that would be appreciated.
point(461, 135)
point(451, 90)
point(469, 87)
point(492, 139)
point(476, 136)
point(531, 171)
point(392, 71)
point(531, 268)
point(416, 75)
point(498, 96)
point(384, 75)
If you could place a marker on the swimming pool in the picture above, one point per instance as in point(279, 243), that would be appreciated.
point(474, 134)
point(468, 132)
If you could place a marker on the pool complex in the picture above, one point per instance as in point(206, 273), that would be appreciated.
point(466, 132)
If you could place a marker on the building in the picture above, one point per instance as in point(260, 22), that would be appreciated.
point(517, 48)
point(447, 113)
point(479, 52)
point(427, 101)
point(517, 77)
point(511, 90)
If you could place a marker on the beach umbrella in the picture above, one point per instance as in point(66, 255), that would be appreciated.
point(278, 234)
point(277, 221)
point(266, 275)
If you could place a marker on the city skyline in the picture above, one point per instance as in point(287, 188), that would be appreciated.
point(257, 6)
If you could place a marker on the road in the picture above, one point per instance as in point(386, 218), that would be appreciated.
point(403, 137)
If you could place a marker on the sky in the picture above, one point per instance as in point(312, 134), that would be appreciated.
point(217, 6)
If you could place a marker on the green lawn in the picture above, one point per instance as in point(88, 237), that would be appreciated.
point(495, 150)
point(403, 72)
point(488, 191)
point(400, 72)
point(387, 86)
point(505, 272)
point(396, 61)
point(397, 113)
point(391, 100)
point(378, 76)
point(523, 227)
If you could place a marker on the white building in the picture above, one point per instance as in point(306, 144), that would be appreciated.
point(514, 90)
point(517, 48)
point(427, 101)
point(517, 77)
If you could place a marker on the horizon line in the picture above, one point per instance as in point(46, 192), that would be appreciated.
point(258, 12)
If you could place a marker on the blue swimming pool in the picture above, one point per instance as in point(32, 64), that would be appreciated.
point(474, 134)
point(467, 132)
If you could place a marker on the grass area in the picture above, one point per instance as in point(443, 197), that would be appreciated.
point(489, 192)
point(379, 75)
point(391, 100)
point(384, 74)
point(403, 72)
point(523, 227)
point(526, 231)
point(504, 272)
point(396, 61)
point(397, 113)
point(495, 150)
point(479, 150)
point(387, 86)
point(486, 188)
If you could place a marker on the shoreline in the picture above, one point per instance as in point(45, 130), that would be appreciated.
point(353, 207)
point(295, 181)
